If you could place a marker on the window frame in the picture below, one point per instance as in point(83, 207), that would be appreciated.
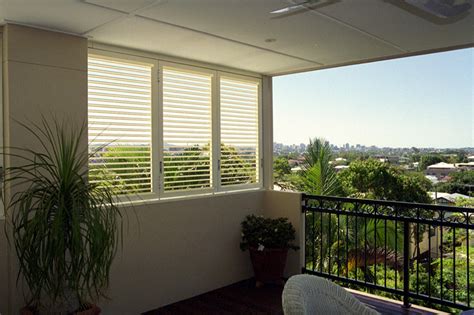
point(260, 160)
point(157, 140)
point(197, 70)
point(153, 194)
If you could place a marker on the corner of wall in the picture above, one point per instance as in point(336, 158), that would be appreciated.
point(267, 112)
point(288, 204)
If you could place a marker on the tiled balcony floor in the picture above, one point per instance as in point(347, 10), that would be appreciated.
point(244, 298)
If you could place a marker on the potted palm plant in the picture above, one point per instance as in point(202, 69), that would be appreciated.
point(65, 230)
point(268, 241)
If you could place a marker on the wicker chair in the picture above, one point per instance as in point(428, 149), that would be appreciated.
point(306, 294)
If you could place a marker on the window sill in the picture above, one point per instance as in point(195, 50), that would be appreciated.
point(154, 200)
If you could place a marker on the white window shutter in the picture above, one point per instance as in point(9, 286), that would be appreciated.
point(239, 132)
point(187, 130)
point(119, 120)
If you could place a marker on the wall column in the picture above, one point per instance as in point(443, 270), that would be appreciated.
point(44, 73)
point(288, 204)
point(267, 110)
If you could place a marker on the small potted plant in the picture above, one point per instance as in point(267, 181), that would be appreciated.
point(268, 241)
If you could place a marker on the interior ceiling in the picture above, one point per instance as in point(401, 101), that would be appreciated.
point(236, 33)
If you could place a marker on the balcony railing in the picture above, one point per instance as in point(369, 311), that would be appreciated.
point(417, 252)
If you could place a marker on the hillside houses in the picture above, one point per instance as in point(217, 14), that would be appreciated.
point(442, 169)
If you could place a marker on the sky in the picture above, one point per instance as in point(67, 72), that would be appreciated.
point(422, 101)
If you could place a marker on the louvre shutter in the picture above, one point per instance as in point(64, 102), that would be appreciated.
point(239, 128)
point(187, 129)
point(119, 120)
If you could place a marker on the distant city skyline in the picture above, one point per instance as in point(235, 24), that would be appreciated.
point(341, 145)
point(423, 101)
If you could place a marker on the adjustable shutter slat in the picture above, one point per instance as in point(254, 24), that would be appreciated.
point(123, 121)
point(239, 108)
point(183, 106)
point(120, 128)
point(180, 102)
point(128, 86)
point(187, 130)
point(105, 110)
point(239, 111)
point(185, 97)
point(190, 171)
point(110, 105)
point(120, 125)
point(110, 165)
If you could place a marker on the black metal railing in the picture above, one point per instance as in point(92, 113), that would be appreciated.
point(418, 252)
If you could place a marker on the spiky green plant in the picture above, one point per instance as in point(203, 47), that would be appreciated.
point(318, 176)
point(65, 230)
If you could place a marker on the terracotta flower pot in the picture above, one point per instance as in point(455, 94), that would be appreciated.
point(92, 310)
point(268, 264)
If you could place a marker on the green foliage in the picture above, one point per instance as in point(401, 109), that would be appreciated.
point(235, 167)
point(270, 233)
point(130, 163)
point(454, 282)
point(351, 156)
point(291, 182)
point(318, 151)
point(65, 230)
point(461, 156)
point(281, 168)
point(459, 182)
point(430, 159)
point(194, 163)
point(345, 242)
point(292, 155)
point(373, 179)
point(414, 188)
point(131, 172)
point(318, 176)
point(465, 202)
point(321, 180)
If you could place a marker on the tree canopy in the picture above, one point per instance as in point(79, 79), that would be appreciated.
point(281, 167)
point(373, 179)
point(459, 182)
point(430, 159)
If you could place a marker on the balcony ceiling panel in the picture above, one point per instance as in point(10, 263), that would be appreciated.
point(64, 15)
point(166, 39)
point(403, 25)
point(305, 35)
point(243, 34)
point(127, 6)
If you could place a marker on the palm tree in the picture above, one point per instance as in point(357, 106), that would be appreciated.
point(318, 175)
point(342, 242)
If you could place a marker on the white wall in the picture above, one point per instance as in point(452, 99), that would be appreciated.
point(180, 249)
point(288, 204)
